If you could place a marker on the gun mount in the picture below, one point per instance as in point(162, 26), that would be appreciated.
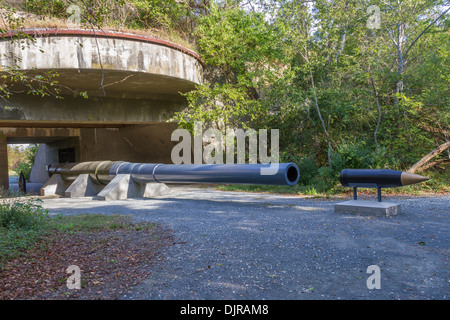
point(103, 176)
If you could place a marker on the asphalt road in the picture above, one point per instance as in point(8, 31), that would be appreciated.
point(232, 245)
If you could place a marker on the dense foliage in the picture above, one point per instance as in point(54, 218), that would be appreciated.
point(21, 159)
point(346, 88)
point(342, 92)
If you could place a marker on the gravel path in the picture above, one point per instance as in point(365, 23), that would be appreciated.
point(232, 245)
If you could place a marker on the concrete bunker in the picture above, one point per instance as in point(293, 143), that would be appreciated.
point(134, 86)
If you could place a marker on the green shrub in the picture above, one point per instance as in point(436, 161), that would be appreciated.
point(358, 155)
point(329, 175)
point(21, 225)
point(354, 155)
point(46, 7)
point(26, 165)
point(306, 164)
point(22, 214)
point(14, 241)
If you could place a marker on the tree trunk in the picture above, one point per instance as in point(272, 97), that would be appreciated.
point(379, 114)
point(432, 164)
point(306, 57)
point(321, 119)
point(429, 156)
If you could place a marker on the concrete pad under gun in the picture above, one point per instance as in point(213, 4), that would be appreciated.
point(373, 208)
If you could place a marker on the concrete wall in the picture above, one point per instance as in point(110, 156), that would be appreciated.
point(110, 52)
point(27, 110)
point(146, 143)
point(129, 79)
point(134, 85)
point(139, 143)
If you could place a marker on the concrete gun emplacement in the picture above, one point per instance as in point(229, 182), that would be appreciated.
point(100, 177)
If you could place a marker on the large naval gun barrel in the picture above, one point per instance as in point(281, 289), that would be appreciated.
point(98, 171)
point(102, 172)
point(377, 178)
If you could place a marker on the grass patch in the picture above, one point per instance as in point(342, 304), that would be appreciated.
point(24, 223)
point(10, 193)
point(301, 190)
point(90, 223)
point(14, 242)
point(33, 21)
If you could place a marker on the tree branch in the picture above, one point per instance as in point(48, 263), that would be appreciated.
point(429, 156)
point(423, 31)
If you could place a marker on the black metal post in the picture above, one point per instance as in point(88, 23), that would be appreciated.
point(355, 194)
point(379, 194)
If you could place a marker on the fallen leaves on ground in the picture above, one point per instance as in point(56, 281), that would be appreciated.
point(111, 263)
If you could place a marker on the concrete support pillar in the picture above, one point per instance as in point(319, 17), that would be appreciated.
point(55, 185)
point(83, 187)
point(4, 178)
point(123, 187)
